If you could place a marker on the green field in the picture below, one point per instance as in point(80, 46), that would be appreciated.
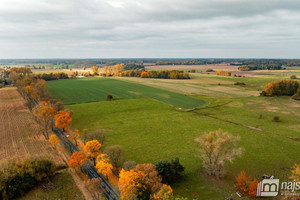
point(64, 189)
point(151, 130)
point(95, 89)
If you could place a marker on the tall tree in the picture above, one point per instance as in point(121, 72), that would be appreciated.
point(43, 112)
point(216, 148)
point(92, 149)
point(63, 120)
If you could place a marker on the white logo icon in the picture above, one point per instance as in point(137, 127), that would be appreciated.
point(268, 188)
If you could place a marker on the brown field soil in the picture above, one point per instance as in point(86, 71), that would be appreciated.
point(20, 135)
point(223, 66)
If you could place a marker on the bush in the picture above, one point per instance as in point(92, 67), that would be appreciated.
point(296, 96)
point(276, 118)
point(109, 97)
point(239, 83)
point(210, 70)
point(293, 77)
point(20, 176)
point(169, 171)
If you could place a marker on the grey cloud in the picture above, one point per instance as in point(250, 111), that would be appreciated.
point(149, 28)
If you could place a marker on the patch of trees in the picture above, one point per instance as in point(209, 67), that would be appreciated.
point(52, 76)
point(260, 67)
point(118, 70)
point(281, 88)
point(18, 177)
point(165, 74)
point(223, 73)
point(133, 66)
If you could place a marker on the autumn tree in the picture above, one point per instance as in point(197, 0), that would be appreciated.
point(164, 193)
point(74, 136)
point(40, 90)
point(43, 112)
point(92, 149)
point(295, 172)
point(253, 188)
point(132, 185)
point(63, 120)
point(116, 155)
point(243, 181)
point(77, 159)
point(216, 148)
point(53, 139)
point(103, 166)
point(95, 70)
point(153, 180)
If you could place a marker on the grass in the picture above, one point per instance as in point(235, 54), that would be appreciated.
point(64, 189)
point(95, 89)
point(151, 131)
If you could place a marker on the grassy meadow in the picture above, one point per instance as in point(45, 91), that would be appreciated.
point(96, 89)
point(152, 129)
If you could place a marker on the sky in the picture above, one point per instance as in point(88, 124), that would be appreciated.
point(149, 29)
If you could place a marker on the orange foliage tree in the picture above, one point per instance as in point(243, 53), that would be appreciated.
point(296, 172)
point(54, 140)
point(243, 181)
point(43, 112)
point(77, 159)
point(132, 185)
point(63, 120)
point(103, 166)
point(92, 149)
point(253, 188)
point(74, 135)
point(153, 180)
point(165, 192)
point(95, 70)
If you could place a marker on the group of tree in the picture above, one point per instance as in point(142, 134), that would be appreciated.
point(18, 177)
point(52, 76)
point(282, 88)
point(142, 181)
point(260, 67)
point(223, 73)
point(164, 74)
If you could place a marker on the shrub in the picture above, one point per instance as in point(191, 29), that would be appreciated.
point(239, 83)
point(20, 176)
point(193, 71)
point(169, 171)
point(109, 97)
point(276, 118)
point(293, 77)
point(210, 70)
point(296, 96)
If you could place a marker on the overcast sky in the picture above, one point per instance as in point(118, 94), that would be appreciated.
point(149, 28)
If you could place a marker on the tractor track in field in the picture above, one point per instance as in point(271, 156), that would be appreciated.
point(297, 139)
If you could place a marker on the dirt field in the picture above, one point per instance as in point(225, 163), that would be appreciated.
point(20, 136)
point(223, 66)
